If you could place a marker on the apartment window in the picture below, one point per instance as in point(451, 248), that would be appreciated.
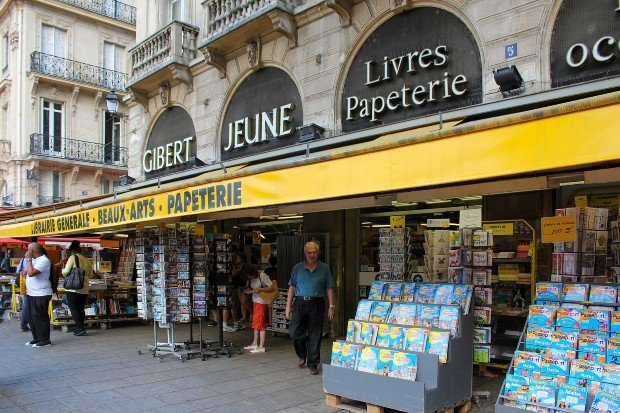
point(108, 185)
point(57, 187)
point(54, 41)
point(113, 57)
point(179, 10)
point(112, 138)
point(5, 53)
point(52, 127)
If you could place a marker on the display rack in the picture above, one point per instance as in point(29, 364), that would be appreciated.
point(438, 386)
point(500, 407)
point(279, 323)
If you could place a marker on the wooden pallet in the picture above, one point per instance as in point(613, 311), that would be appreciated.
point(333, 400)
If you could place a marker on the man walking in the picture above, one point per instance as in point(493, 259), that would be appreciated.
point(305, 306)
point(39, 290)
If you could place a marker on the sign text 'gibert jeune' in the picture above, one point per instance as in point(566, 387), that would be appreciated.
point(165, 156)
point(406, 96)
point(259, 128)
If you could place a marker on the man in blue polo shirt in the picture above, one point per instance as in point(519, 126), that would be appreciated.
point(305, 306)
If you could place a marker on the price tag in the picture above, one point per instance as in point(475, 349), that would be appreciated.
point(500, 228)
point(397, 221)
point(438, 223)
point(470, 218)
point(105, 266)
point(581, 201)
point(559, 229)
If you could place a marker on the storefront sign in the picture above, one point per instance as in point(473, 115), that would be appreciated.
point(105, 266)
point(500, 228)
point(263, 114)
point(397, 221)
point(470, 218)
point(585, 42)
point(171, 145)
point(260, 128)
point(165, 156)
point(559, 229)
point(402, 71)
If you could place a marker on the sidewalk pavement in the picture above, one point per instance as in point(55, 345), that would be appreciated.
point(103, 372)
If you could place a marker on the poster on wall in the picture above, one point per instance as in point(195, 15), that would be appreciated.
point(417, 63)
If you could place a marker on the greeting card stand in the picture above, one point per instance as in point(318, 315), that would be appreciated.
point(438, 386)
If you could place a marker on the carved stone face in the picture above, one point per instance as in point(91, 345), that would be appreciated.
point(163, 94)
point(252, 49)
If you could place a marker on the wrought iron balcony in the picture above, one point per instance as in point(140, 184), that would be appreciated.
point(75, 150)
point(46, 200)
point(173, 48)
point(77, 71)
point(110, 8)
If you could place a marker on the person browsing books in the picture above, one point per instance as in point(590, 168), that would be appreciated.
point(310, 281)
point(257, 283)
point(76, 299)
point(39, 289)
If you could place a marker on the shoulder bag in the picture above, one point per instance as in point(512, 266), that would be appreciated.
point(75, 279)
point(270, 297)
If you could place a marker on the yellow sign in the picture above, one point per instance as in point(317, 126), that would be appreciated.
point(199, 230)
point(256, 237)
point(499, 228)
point(397, 221)
point(604, 201)
point(559, 229)
point(581, 201)
point(13, 245)
point(105, 266)
point(15, 262)
point(92, 261)
point(265, 252)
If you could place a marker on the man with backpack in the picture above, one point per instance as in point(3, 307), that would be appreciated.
point(39, 290)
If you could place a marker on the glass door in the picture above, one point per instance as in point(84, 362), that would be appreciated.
point(112, 139)
point(52, 129)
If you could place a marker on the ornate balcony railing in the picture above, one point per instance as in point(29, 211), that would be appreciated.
point(46, 200)
point(110, 8)
point(225, 15)
point(72, 149)
point(77, 71)
point(175, 43)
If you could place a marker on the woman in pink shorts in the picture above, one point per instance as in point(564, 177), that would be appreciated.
point(258, 282)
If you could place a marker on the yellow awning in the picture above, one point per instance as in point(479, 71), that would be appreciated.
point(567, 136)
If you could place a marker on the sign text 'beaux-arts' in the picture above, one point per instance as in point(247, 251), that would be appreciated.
point(408, 96)
point(261, 127)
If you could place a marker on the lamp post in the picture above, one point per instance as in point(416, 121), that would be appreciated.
point(112, 102)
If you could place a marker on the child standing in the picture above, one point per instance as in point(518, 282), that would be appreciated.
point(257, 283)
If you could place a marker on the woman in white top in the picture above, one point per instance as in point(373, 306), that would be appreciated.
point(258, 282)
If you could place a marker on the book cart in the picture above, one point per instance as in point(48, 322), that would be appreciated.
point(440, 385)
point(576, 367)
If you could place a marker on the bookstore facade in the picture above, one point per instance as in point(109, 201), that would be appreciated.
point(430, 175)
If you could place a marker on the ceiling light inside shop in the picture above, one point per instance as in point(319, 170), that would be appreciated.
point(437, 201)
point(381, 226)
point(262, 236)
point(291, 217)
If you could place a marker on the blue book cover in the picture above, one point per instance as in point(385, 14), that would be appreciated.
point(415, 339)
point(548, 291)
point(367, 359)
point(437, 343)
point(605, 402)
point(408, 292)
point(336, 359)
point(376, 290)
point(404, 366)
point(353, 331)
point(425, 293)
point(613, 350)
point(389, 336)
point(380, 311)
point(393, 292)
point(428, 315)
point(575, 292)
point(564, 340)
point(403, 313)
point(384, 363)
point(592, 348)
point(349, 354)
point(554, 366)
point(538, 339)
point(364, 307)
point(568, 318)
point(611, 374)
point(444, 294)
point(449, 319)
point(527, 360)
point(572, 397)
point(462, 296)
point(541, 391)
point(516, 387)
point(586, 369)
point(541, 315)
point(368, 333)
point(603, 293)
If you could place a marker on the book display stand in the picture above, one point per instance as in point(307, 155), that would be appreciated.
point(279, 323)
point(400, 378)
point(568, 357)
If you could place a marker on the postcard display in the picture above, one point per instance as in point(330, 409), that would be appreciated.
point(615, 250)
point(568, 359)
point(279, 323)
point(409, 348)
point(395, 261)
point(585, 259)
